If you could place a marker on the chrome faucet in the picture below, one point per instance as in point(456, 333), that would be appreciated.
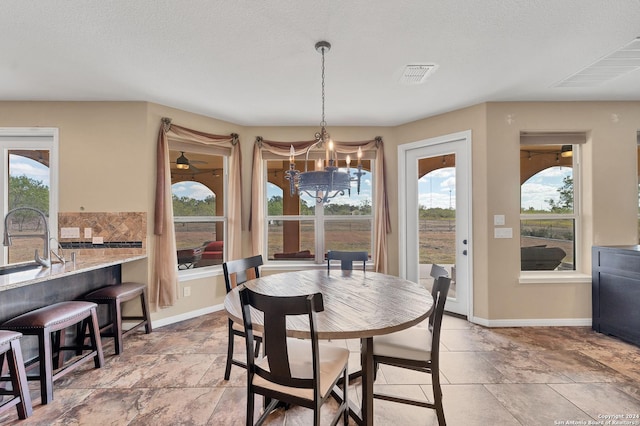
point(46, 261)
point(58, 252)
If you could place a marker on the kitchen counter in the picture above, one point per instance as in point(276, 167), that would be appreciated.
point(31, 289)
point(58, 270)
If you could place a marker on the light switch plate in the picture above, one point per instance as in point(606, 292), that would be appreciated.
point(87, 232)
point(97, 240)
point(498, 219)
point(503, 233)
point(69, 232)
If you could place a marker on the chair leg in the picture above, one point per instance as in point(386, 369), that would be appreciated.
point(250, 407)
point(227, 371)
point(345, 396)
point(81, 333)
point(46, 368)
point(57, 342)
point(96, 342)
point(116, 325)
point(145, 311)
point(437, 397)
point(19, 379)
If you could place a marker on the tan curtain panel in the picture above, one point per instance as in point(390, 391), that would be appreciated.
point(164, 285)
point(381, 219)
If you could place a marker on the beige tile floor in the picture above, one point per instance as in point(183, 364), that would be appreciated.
point(505, 376)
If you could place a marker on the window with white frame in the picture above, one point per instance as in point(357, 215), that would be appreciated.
point(198, 186)
point(29, 178)
point(298, 229)
point(549, 201)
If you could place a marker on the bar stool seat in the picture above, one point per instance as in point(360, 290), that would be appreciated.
point(113, 296)
point(49, 324)
point(10, 346)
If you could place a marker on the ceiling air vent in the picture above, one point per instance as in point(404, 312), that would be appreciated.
point(416, 74)
point(617, 63)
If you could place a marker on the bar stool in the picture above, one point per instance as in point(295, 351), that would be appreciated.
point(10, 346)
point(49, 324)
point(113, 296)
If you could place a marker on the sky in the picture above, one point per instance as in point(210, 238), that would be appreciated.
point(191, 189)
point(543, 186)
point(436, 189)
point(22, 166)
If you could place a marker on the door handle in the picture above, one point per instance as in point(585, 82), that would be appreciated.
point(464, 252)
point(464, 242)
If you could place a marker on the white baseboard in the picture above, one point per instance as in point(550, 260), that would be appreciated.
point(544, 322)
point(185, 316)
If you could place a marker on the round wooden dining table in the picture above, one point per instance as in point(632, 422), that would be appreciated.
point(357, 305)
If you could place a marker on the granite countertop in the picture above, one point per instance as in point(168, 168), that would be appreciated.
point(59, 270)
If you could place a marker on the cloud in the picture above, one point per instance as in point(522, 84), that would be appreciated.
point(193, 190)
point(437, 200)
point(535, 195)
point(21, 166)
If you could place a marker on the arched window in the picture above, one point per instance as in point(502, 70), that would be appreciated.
point(198, 208)
point(548, 207)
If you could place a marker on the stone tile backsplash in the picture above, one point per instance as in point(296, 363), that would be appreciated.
point(121, 232)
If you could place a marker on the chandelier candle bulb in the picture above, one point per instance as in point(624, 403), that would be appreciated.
point(292, 154)
point(359, 155)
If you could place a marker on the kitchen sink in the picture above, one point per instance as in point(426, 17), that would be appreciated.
point(9, 269)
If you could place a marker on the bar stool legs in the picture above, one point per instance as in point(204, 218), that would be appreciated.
point(10, 347)
point(113, 296)
point(54, 319)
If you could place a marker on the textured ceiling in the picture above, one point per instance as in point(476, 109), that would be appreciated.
point(253, 62)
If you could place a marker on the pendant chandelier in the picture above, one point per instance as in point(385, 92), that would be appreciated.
point(326, 181)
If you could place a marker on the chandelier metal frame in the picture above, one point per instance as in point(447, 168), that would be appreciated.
point(323, 184)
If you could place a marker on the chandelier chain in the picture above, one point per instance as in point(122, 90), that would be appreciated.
point(323, 123)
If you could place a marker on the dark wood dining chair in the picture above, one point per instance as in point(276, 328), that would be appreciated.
point(237, 272)
point(417, 348)
point(347, 258)
point(293, 371)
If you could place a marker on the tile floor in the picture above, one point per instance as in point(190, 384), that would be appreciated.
point(505, 376)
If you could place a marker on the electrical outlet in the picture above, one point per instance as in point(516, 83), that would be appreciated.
point(97, 240)
point(502, 232)
point(87, 232)
point(69, 232)
point(186, 291)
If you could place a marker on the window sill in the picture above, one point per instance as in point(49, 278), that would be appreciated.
point(199, 273)
point(554, 277)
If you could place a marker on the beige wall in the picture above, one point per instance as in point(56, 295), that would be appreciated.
point(609, 206)
point(474, 119)
point(107, 163)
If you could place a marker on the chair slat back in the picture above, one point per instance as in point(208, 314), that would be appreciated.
point(239, 271)
point(347, 258)
point(275, 310)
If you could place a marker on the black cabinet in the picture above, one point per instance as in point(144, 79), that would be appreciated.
point(616, 291)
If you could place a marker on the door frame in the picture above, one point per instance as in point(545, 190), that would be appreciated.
point(465, 137)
